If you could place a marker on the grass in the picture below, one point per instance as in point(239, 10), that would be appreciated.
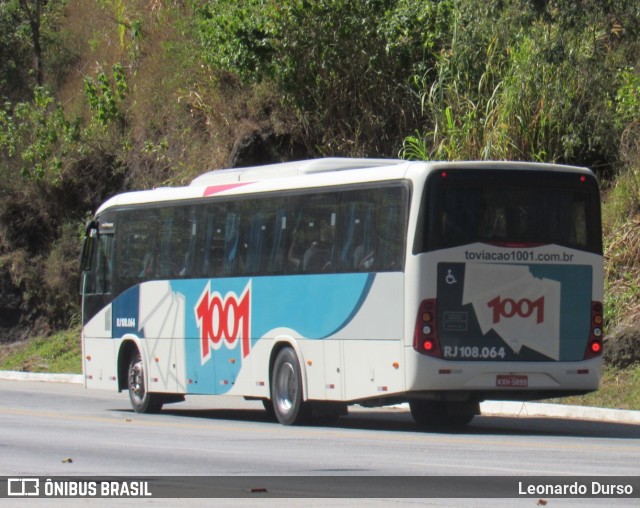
point(619, 389)
point(61, 353)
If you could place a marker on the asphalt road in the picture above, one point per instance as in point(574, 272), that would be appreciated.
point(52, 429)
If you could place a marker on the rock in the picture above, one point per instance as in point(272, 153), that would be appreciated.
point(622, 347)
point(264, 146)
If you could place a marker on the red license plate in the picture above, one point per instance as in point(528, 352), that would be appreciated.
point(512, 381)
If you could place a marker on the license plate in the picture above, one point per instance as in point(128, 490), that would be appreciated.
point(512, 381)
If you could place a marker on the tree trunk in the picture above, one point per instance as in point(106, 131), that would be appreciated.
point(33, 9)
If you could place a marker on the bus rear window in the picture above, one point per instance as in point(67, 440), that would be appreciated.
point(510, 208)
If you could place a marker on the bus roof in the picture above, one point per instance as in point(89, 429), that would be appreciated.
point(307, 174)
point(291, 169)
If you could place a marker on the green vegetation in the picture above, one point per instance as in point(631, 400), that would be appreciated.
point(618, 390)
point(105, 96)
point(59, 353)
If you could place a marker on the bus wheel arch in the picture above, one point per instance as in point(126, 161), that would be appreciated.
point(289, 342)
point(132, 376)
point(127, 349)
point(287, 385)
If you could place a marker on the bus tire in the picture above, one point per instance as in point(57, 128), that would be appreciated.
point(286, 389)
point(268, 407)
point(435, 414)
point(141, 400)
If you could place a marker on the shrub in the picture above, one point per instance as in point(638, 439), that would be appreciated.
point(343, 66)
point(527, 81)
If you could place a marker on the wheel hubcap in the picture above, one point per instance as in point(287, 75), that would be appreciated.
point(136, 380)
point(287, 388)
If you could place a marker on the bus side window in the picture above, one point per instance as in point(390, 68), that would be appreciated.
point(137, 248)
point(372, 230)
point(356, 237)
point(231, 244)
point(275, 263)
point(188, 269)
point(177, 242)
point(391, 229)
point(104, 264)
point(313, 238)
point(211, 262)
point(365, 251)
point(253, 237)
point(98, 278)
point(263, 235)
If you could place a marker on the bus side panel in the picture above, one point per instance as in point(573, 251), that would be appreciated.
point(217, 329)
point(333, 380)
point(99, 356)
point(321, 381)
point(231, 325)
point(373, 342)
point(215, 336)
point(162, 324)
point(373, 368)
point(259, 380)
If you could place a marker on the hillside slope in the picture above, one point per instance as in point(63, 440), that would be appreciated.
point(112, 95)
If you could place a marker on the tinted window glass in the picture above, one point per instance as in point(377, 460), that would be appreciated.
point(98, 279)
point(137, 246)
point(510, 207)
point(312, 240)
point(324, 232)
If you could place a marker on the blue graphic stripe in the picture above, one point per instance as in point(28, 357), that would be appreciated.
point(363, 296)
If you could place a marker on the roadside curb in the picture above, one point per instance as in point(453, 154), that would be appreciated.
point(14, 375)
point(491, 408)
point(536, 409)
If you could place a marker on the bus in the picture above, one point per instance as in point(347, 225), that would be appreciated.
point(319, 284)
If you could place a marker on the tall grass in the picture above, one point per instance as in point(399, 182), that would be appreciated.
point(59, 353)
point(522, 87)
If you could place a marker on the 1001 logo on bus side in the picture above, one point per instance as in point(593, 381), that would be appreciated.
point(224, 320)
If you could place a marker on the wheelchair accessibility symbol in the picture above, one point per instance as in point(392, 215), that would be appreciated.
point(450, 278)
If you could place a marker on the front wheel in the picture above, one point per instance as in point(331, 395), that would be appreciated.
point(141, 400)
point(286, 389)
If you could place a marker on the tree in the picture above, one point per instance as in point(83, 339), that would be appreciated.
point(25, 29)
point(32, 10)
point(14, 53)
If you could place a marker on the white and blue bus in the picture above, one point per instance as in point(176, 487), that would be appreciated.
point(318, 284)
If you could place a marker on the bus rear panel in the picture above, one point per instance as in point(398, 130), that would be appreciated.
point(510, 296)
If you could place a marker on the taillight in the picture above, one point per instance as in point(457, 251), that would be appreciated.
point(594, 346)
point(425, 337)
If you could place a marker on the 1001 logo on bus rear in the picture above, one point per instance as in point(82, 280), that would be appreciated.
point(523, 308)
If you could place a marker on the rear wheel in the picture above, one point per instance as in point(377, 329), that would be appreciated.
point(438, 414)
point(141, 400)
point(286, 389)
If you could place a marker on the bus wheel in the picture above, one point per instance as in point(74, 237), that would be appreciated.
point(286, 389)
point(141, 400)
point(436, 414)
point(268, 407)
